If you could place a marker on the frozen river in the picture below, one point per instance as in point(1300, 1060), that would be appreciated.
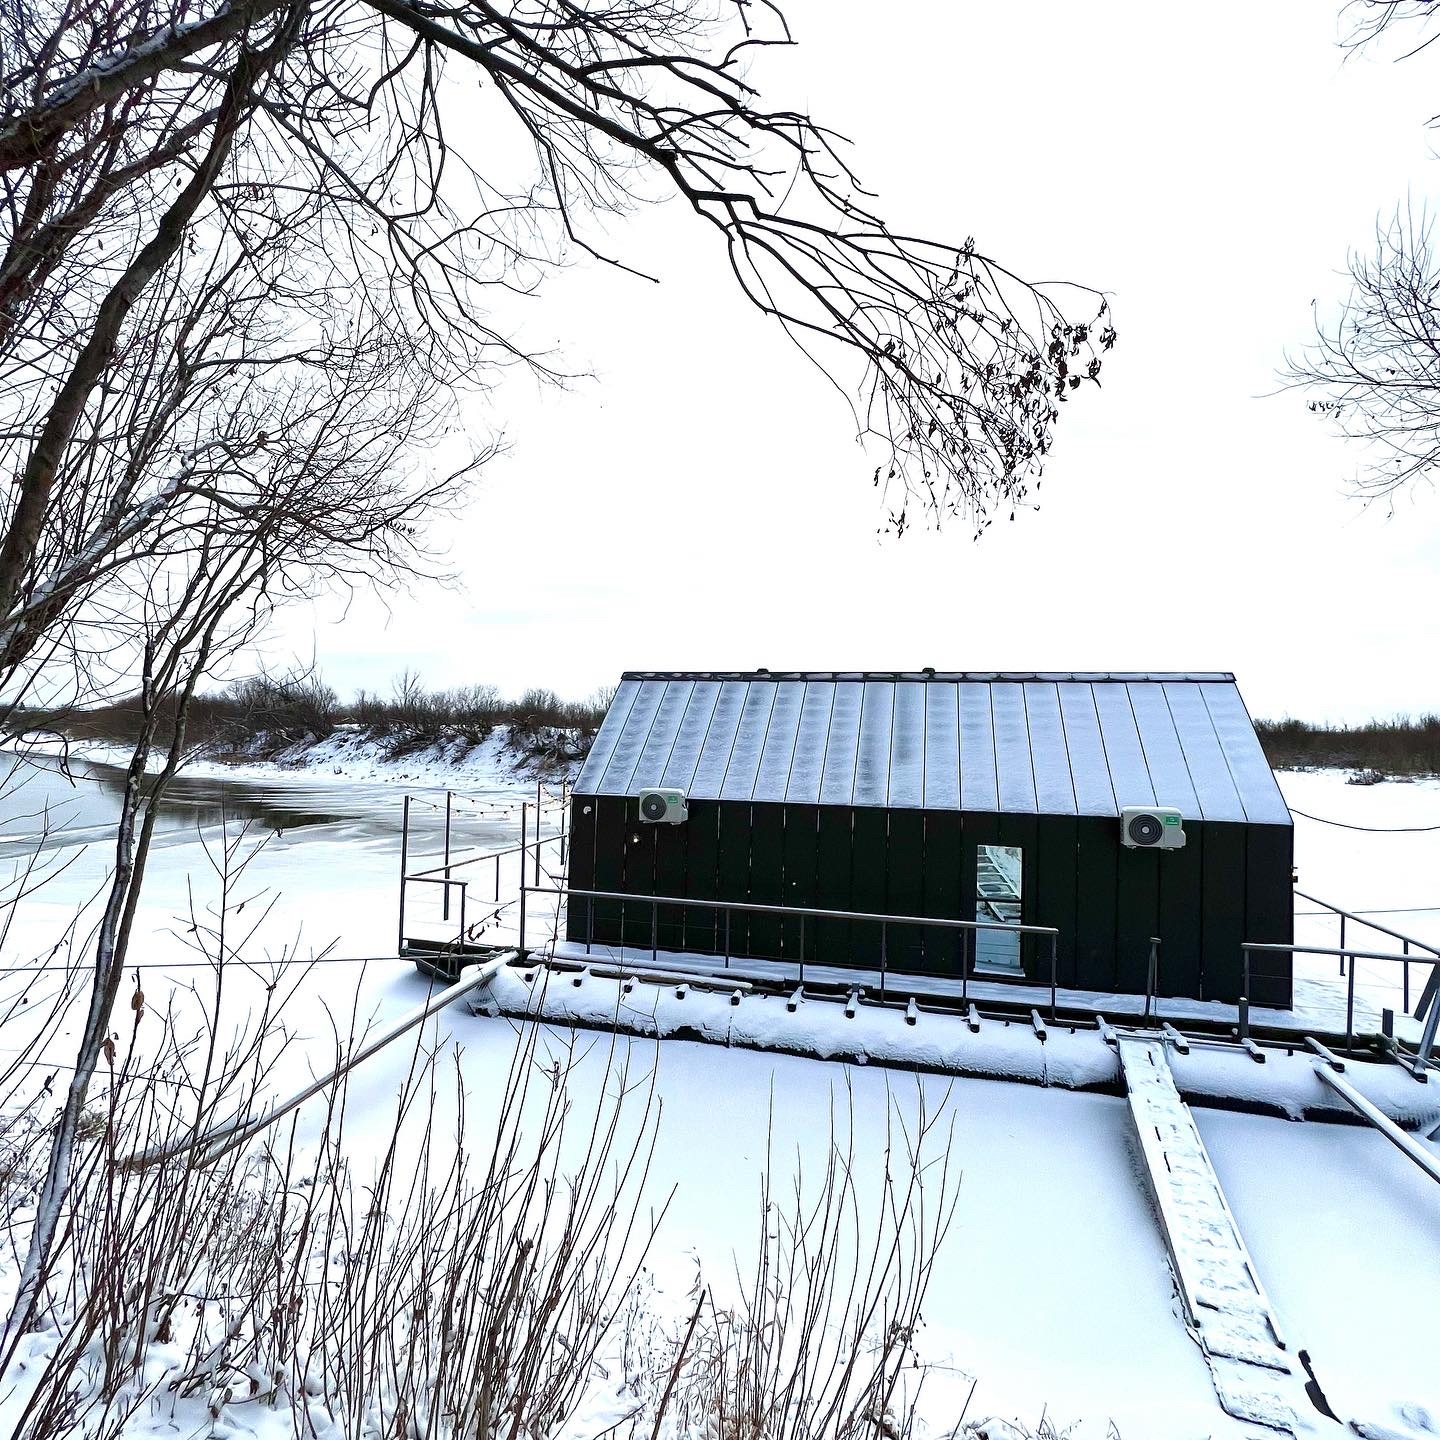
point(1053, 1291)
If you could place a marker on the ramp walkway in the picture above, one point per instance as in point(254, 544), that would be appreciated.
point(1257, 1377)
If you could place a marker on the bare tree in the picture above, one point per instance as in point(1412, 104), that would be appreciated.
point(1375, 366)
point(249, 251)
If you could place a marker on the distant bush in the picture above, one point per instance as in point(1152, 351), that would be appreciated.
point(265, 714)
point(1394, 747)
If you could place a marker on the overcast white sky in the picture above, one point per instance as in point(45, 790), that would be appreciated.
point(701, 503)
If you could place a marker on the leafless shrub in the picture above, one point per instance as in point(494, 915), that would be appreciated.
point(428, 1291)
point(818, 1339)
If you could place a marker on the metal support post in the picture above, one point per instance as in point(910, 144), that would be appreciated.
point(445, 889)
point(1054, 971)
point(1350, 1009)
point(404, 866)
point(1243, 1008)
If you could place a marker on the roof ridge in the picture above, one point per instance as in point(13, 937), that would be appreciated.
point(1202, 677)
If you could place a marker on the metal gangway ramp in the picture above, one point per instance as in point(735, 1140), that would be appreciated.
point(1257, 1377)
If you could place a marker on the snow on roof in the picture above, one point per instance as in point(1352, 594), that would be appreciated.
point(1031, 743)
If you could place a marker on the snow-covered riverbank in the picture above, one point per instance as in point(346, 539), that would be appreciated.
point(502, 759)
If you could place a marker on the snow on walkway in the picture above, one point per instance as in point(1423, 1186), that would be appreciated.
point(1225, 1304)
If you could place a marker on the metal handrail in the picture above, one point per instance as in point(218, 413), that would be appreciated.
point(804, 912)
point(1427, 1038)
point(1373, 924)
point(1431, 989)
point(527, 847)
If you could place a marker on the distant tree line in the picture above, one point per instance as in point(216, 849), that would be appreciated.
point(1396, 747)
point(263, 715)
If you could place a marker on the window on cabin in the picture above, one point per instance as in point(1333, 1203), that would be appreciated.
point(999, 887)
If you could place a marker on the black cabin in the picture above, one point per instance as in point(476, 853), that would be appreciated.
point(990, 796)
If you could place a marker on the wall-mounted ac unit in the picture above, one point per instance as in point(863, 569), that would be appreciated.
point(664, 807)
point(1151, 827)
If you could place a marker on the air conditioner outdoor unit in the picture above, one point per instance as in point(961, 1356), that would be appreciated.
point(1151, 827)
point(664, 807)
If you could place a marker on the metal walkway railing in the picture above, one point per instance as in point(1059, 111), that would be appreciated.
point(803, 912)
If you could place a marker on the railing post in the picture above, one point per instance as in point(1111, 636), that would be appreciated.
point(1054, 971)
point(1152, 974)
point(1243, 1008)
point(404, 866)
point(445, 889)
point(1350, 1006)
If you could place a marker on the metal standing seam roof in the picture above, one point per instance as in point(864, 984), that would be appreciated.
point(1032, 743)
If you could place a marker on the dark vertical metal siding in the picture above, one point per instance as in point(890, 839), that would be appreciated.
point(1223, 878)
point(1097, 849)
point(1055, 881)
point(638, 915)
point(1269, 909)
point(767, 876)
point(905, 888)
point(1182, 890)
point(802, 823)
point(1137, 914)
point(832, 876)
point(610, 835)
point(580, 857)
point(870, 841)
point(942, 889)
point(702, 846)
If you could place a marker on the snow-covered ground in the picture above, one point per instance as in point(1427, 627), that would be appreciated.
point(1053, 1291)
